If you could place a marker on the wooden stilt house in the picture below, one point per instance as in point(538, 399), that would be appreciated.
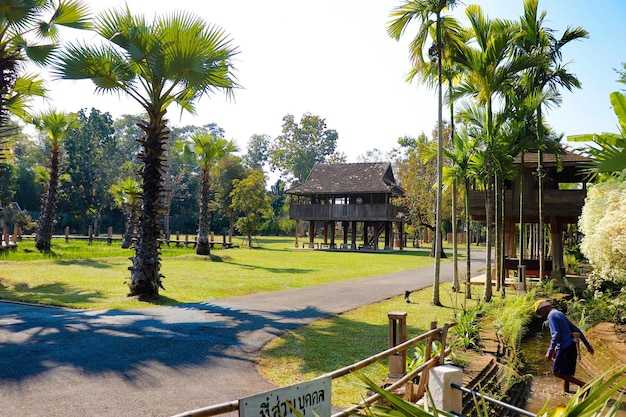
point(564, 192)
point(352, 199)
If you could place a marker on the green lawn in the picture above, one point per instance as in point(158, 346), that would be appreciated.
point(94, 277)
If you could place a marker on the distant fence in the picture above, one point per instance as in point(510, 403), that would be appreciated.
point(398, 377)
point(177, 239)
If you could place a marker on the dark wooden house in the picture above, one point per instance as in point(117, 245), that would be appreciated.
point(564, 192)
point(356, 197)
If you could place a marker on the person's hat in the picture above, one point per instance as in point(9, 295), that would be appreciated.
point(541, 304)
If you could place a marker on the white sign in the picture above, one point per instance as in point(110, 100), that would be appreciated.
point(309, 399)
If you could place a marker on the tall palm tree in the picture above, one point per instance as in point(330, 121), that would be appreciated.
point(208, 149)
point(490, 68)
point(534, 39)
point(402, 16)
point(56, 125)
point(177, 58)
point(127, 196)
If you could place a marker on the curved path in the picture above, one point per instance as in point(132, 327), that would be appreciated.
point(165, 360)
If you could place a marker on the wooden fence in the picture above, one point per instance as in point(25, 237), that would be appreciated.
point(412, 392)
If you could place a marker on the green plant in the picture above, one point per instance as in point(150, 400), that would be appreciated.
point(468, 326)
point(416, 356)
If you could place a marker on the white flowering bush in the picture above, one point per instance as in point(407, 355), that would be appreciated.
point(603, 223)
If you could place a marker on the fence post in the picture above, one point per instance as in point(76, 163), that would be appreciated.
point(421, 388)
point(446, 398)
point(90, 234)
point(444, 335)
point(397, 336)
point(67, 234)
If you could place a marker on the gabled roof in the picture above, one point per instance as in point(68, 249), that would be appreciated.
point(353, 178)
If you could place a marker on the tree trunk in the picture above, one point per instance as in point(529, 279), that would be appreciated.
point(468, 244)
point(145, 279)
point(204, 218)
point(43, 238)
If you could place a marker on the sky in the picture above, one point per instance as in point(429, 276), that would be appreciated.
point(334, 59)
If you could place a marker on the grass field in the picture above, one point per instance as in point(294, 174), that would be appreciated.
point(94, 277)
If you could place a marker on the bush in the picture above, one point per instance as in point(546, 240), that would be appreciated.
point(603, 223)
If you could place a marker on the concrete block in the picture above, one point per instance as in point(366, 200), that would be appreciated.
point(446, 398)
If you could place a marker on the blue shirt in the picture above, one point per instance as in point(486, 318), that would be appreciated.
point(561, 329)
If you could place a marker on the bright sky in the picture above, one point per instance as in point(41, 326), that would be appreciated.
point(333, 58)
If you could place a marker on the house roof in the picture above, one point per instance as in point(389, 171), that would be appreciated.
point(352, 178)
point(568, 156)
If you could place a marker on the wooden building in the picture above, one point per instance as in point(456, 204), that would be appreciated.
point(356, 197)
point(564, 192)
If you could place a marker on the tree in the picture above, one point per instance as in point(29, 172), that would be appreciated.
point(17, 21)
point(93, 160)
point(127, 196)
point(57, 126)
point(301, 146)
point(424, 10)
point(250, 199)
point(489, 69)
point(177, 58)
point(225, 172)
point(546, 76)
point(257, 153)
point(208, 149)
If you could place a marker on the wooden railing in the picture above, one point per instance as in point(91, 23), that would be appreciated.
point(435, 334)
point(347, 212)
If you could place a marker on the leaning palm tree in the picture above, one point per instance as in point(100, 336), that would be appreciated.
point(208, 149)
point(177, 58)
point(402, 16)
point(56, 125)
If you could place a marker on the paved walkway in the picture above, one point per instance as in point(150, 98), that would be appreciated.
point(165, 360)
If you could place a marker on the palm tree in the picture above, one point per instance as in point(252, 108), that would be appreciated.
point(208, 149)
point(177, 58)
point(17, 21)
point(127, 196)
point(57, 126)
point(534, 39)
point(609, 154)
point(490, 68)
point(402, 16)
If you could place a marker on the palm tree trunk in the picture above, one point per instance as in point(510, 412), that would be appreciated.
point(204, 219)
point(488, 290)
point(43, 238)
point(438, 243)
point(468, 244)
point(145, 279)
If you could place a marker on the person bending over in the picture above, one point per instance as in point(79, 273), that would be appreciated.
point(563, 349)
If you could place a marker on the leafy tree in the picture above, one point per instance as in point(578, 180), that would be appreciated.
point(208, 149)
point(57, 126)
point(177, 58)
point(250, 199)
point(225, 172)
point(429, 13)
point(258, 150)
point(622, 74)
point(301, 146)
point(127, 196)
point(93, 160)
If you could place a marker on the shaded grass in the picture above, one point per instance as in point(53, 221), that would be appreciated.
point(330, 344)
point(94, 277)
